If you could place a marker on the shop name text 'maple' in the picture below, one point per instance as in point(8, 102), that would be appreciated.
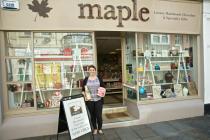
point(119, 13)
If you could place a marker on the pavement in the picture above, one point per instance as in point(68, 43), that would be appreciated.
point(196, 128)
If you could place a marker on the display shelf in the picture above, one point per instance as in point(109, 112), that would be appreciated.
point(162, 84)
point(60, 56)
point(18, 57)
point(163, 56)
point(110, 80)
point(61, 46)
point(113, 92)
point(25, 91)
point(110, 88)
point(127, 85)
point(19, 82)
point(165, 70)
point(113, 86)
point(52, 89)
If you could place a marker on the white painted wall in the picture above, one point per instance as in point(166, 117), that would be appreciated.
point(206, 44)
point(1, 91)
point(1, 83)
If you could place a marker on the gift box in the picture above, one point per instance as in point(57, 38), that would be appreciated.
point(101, 91)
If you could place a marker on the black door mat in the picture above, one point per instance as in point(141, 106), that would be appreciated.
point(116, 115)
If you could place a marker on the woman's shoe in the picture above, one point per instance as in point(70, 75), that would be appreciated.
point(100, 132)
point(95, 131)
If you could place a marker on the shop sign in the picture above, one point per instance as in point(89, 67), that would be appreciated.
point(10, 4)
point(116, 13)
point(76, 116)
point(166, 16)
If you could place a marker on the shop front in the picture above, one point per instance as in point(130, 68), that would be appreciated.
point(148, 53)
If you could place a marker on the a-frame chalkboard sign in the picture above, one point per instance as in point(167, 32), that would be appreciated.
point(73, 117)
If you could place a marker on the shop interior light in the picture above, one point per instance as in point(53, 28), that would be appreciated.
point(112, 52)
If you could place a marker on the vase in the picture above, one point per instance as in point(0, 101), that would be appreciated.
point(141, 90)
point(157, 67)
point(185, 91)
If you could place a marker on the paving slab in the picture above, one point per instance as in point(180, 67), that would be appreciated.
point(180, 126)
point(126, 133)
point(143, 132)
point(110, 134)
point(163, 129)
point(154, 138)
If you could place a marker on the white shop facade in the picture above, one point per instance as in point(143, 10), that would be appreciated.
point(149, 54)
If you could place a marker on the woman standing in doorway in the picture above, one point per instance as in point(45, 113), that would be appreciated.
point(95, 104)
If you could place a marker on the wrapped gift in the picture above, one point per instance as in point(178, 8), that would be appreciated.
point(101, 92)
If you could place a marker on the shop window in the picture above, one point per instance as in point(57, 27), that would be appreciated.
point(43, 67)
point(163, 66)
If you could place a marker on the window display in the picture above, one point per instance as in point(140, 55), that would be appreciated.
point(164, 66)
point(19, 65)
point(61, 61)
point(19, 82)
point(42, 67)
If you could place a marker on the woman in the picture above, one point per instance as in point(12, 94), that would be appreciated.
point(95, 104)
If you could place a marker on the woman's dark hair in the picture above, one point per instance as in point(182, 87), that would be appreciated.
point(91, 66)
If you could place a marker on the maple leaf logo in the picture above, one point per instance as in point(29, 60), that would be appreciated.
point(40, 8)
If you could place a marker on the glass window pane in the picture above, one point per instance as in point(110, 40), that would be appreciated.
point(19, 69)
point(19, 44)
point(20, 95)
point(130, 64)
point(156, 39)
point(165, 39)
point(178, 40)
point(160, 39)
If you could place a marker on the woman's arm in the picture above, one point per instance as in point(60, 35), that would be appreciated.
point(101, 82)
point(84, 83)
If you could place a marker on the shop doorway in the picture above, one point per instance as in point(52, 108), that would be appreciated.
point(109, 62)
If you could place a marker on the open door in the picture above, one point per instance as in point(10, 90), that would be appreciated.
point(109, 60)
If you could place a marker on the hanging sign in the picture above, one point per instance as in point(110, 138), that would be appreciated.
point(73, 116)
point(10, 4)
